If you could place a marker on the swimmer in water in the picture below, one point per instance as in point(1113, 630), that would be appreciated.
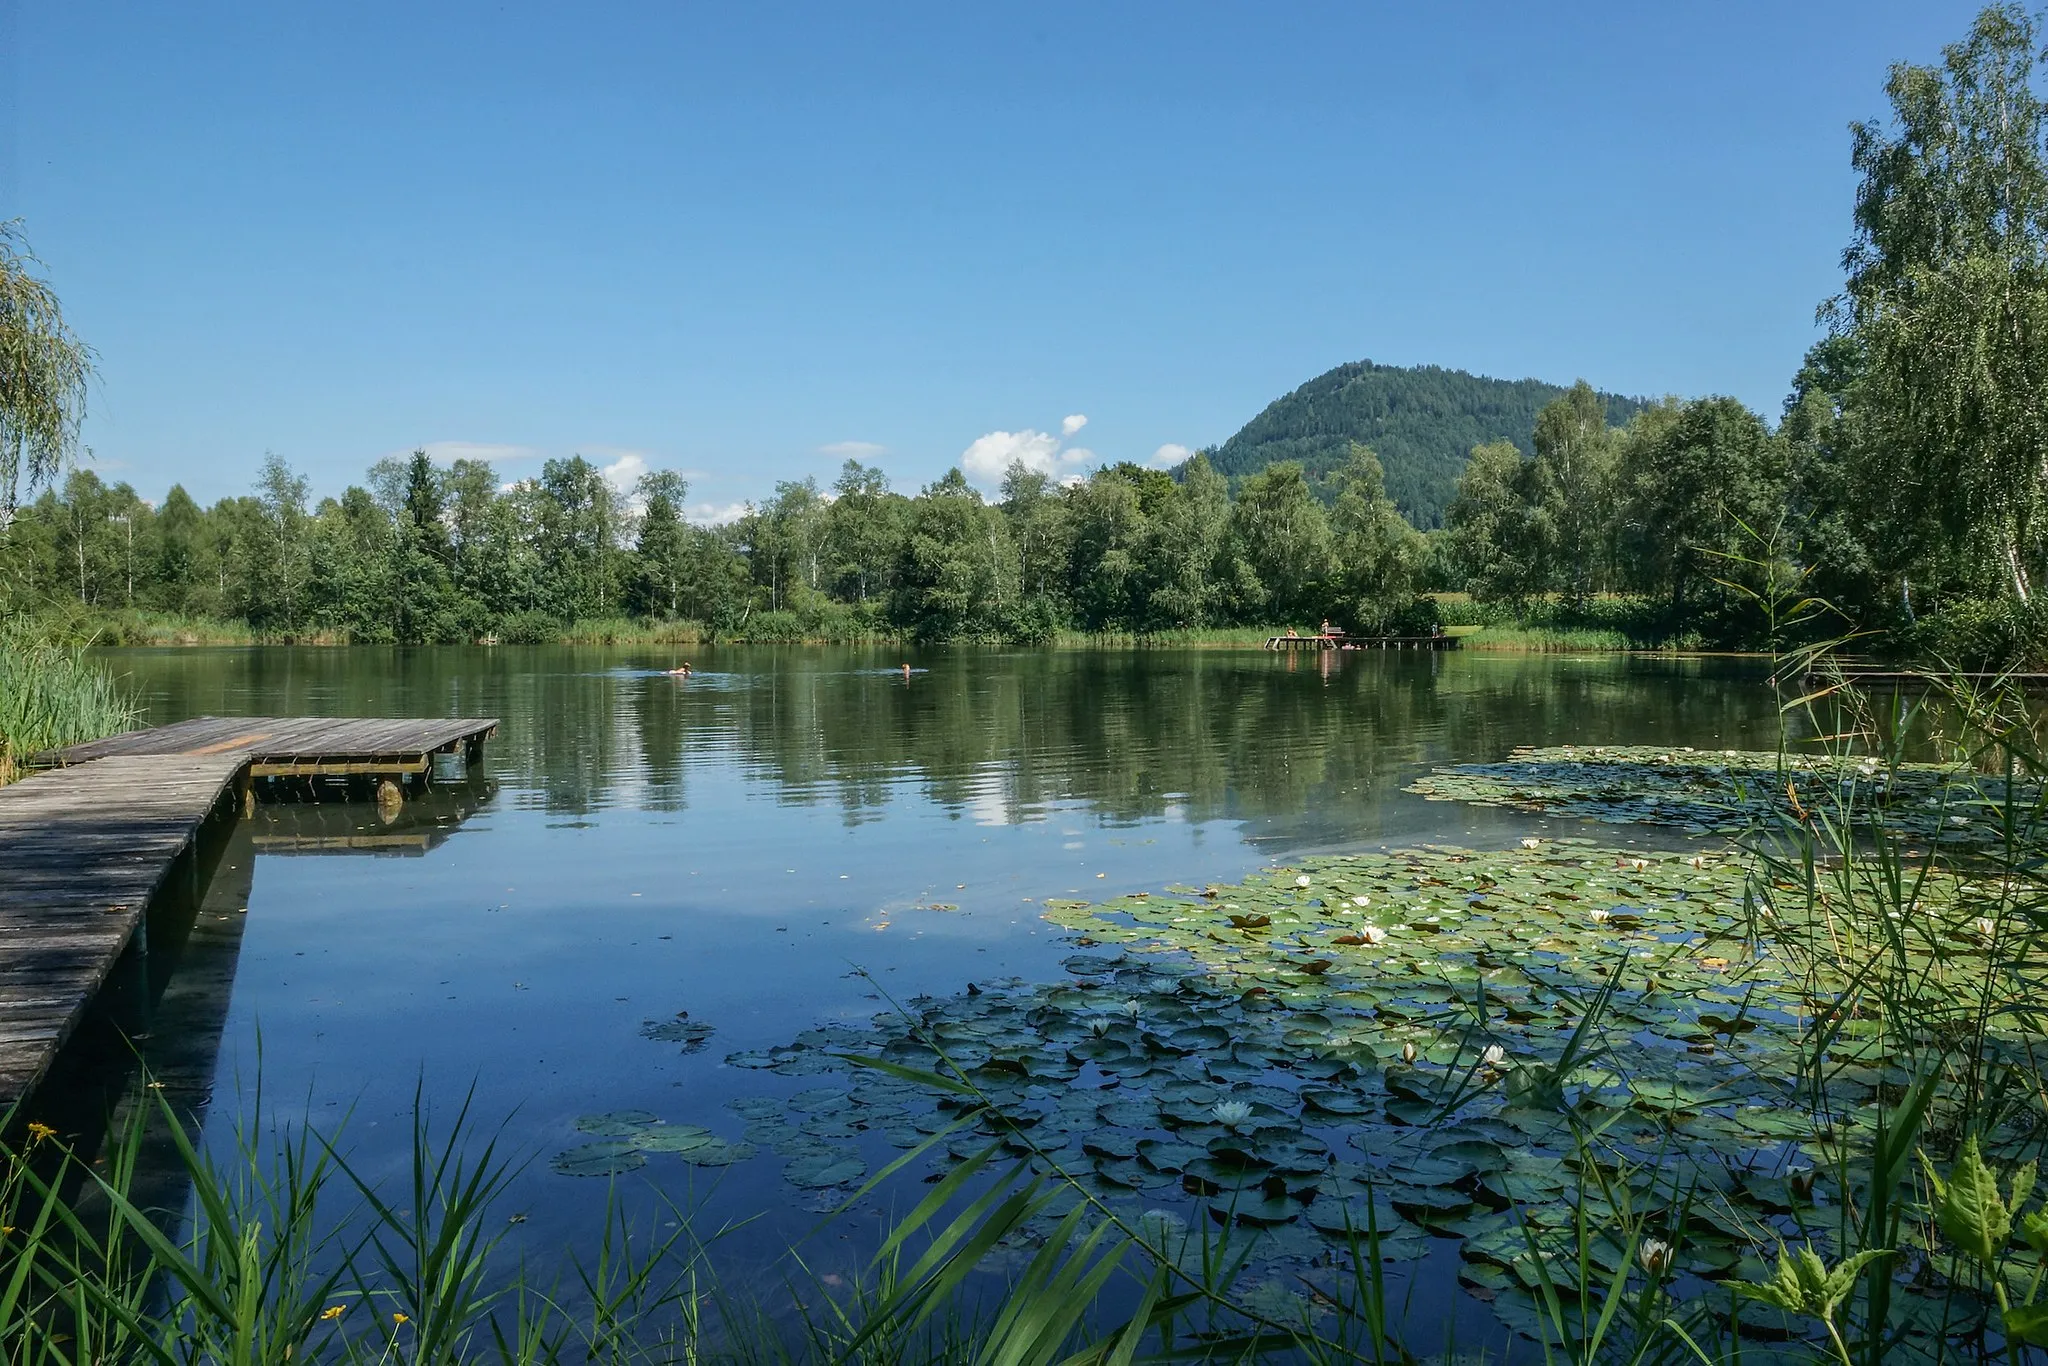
point(906, 673)
point(682, 669)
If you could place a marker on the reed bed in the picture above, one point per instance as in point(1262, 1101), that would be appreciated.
point(52, 695)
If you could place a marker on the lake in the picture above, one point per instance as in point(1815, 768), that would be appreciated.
point(788, 838)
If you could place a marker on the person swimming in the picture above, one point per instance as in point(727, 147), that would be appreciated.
point(683, 669)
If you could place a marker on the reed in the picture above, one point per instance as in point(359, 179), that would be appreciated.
point(52, 695)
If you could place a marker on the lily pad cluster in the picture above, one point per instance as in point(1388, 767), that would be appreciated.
point(1722, 791)
point(1380, 1047)
point(624, 1138)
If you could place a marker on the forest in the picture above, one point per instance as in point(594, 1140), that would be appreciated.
point(1422, 422)
point(1899, 492)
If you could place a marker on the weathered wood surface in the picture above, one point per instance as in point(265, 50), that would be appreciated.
point(82, 851)
point(85, 846)
point(1362, 642)
point(284, 739)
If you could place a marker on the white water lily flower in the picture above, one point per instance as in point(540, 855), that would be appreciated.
point(1655, 1255)
point(1958, 820)
point(1531, 843)
point(1301, 881)
point(1986, 926)
point(1372, 934)
point(1361, 901)
point(1131, 1009)
point(1231, 1113)
point(1494, 1055)
point(1696, 861)
point(1098, 1027)
point(1598, 917)
point(1408, 1052)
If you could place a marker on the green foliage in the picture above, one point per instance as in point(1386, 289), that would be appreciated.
point(1422, 421)
point(44, 371)
point(52, 695)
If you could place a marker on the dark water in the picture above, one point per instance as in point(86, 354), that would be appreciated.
point(738, 844)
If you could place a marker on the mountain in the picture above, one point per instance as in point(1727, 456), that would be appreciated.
point(1422, 421)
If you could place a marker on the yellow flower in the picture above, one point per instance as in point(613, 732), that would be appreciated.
point(38, 1132)
point(400, 1318)
point(333, 1311)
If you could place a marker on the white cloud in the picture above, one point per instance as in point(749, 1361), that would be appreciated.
point(716, 514)
point(852, 450)
point(1169, 455)
point(625, 471)
point(990, 456)
point(985, 460)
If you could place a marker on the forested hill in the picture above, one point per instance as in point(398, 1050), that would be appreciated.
point(1422, 422)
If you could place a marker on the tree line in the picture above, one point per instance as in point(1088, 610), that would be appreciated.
point(424, 553)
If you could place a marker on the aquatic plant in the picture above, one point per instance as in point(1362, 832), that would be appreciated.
point(52, 695)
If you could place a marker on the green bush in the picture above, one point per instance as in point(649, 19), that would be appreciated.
point(1980, 633)
point(530, 628)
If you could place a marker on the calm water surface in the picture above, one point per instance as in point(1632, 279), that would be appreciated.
point(743, 844)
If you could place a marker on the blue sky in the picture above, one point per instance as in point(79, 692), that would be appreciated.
point(743, 240)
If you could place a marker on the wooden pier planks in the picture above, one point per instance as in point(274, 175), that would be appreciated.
point(1285, 643)
point(82, 851)
point(284, 739)
point(85, 846)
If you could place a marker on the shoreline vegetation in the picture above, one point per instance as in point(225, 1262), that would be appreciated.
point(1606, 625)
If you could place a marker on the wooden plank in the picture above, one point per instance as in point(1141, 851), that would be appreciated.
point(84, 849)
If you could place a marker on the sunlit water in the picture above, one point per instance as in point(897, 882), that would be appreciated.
point(790, 836)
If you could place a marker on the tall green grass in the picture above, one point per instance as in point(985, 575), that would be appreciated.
point(52, 695)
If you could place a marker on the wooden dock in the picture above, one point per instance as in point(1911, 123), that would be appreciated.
point(1445, 642)
point(86, 846)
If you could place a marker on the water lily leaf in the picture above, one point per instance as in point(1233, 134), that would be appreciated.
point(671, 1138)
point(692, 1034)
point(599, 1159)
point(717, 1152)
point(832, 1167)
point(617, 1123)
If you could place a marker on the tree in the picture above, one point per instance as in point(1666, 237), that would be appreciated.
point(1947, 296)
point(1187, 537)
point(279, 564)
point(44, 371)
point(1496, 539)
point(663, 544)
point(1105, 565)
point(1041, 530)
point(180, 525)
point(576, 534)
point(863, 533)
point(1705, 485)
point(789, 541)
point(956, 567)
point(1280, 534)
point(422, 581)
point(1573, 482)
point(1376, 550)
